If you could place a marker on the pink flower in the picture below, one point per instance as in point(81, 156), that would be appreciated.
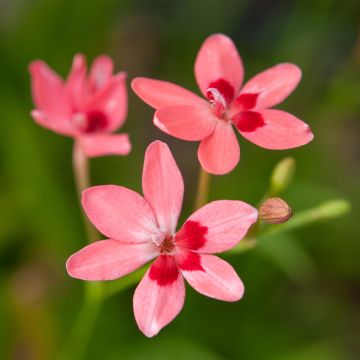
point(88, 109)
point(219, 74)
point(144, 228)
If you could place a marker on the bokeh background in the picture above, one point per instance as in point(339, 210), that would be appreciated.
point(302, 290)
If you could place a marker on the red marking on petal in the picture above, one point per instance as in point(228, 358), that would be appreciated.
point(248, 121)
point(246, 101)
point(224, 87)
point(164, 270)
point(191, 235)
point(189, 261)
point(95, 121)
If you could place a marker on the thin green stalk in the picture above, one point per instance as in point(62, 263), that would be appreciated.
point(79, 336)
point(202, 189)
point(328, 210)
point(82, 179)
point(80, 333)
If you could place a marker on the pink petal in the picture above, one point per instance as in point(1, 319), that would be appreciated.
point(159, 93)
point(157, 305)
point(272, 86)
point(105, 144)
point(187, 122)
point(112, 100)
point(48, 90)
point(58, 124)
point(76, 82)
point(218, 64)
point(109, 260)
point(217, 280)
point(163, 186)
point(279, 130)
point(217, 226)
point(100, 72)
point(119, 213)
point(219, 153)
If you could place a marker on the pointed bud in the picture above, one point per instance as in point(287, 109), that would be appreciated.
point(275, 211)
point(334, 208)
point(282, 175)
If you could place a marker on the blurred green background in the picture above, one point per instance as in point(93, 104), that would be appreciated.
point(302, 289)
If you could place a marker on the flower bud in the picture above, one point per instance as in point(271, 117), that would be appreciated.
point(275, 211)
point(334, 208)
point(282, 175)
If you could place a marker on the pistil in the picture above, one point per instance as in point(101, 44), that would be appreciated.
point(217, 101)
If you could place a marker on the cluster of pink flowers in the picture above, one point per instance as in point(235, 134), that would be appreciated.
point(144, 228)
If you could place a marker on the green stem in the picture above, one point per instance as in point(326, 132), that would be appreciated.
point(82, 179)
point(79, 336)
point(202, 189)
point(80, 333)
point(328, 210)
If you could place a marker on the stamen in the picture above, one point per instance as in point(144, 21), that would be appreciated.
point(165, 243)
point(168, 245)
point(217, 101)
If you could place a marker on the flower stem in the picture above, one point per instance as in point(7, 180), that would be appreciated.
point(82, 180)
point(202, 189)
point(79, 336)
point(80, 333)
point(326, 211)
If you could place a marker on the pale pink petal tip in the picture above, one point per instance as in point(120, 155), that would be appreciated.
point(273, 85)
point(218, 279)
point(101, 71)
point(106, 144)
point(218, 63)
point(163, 186)
point(219, 153)
point(279, 130)
point(57, 124)
point(156, 305)
point(158, 93)
point(48, 89)
point(111, 99)
point(79, 61)
point(225, 223)
point(108, 260)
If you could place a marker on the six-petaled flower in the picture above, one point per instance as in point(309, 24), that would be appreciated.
point(88, 109)
point(140, 229)
point(219, 74)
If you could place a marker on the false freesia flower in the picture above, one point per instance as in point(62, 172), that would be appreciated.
point(88, 109)
point(219, 74)
point(144, 228)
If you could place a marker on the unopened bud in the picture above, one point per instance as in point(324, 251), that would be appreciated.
point(282, 175)
point(275, 211)
point(334, 208)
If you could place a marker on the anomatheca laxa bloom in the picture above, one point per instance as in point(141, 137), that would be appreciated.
point(219, 74)
point(88, 109)
point(140, 229)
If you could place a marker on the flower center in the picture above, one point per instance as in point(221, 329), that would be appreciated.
point(167, 245)
point(91, 122)
point(217, 101)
